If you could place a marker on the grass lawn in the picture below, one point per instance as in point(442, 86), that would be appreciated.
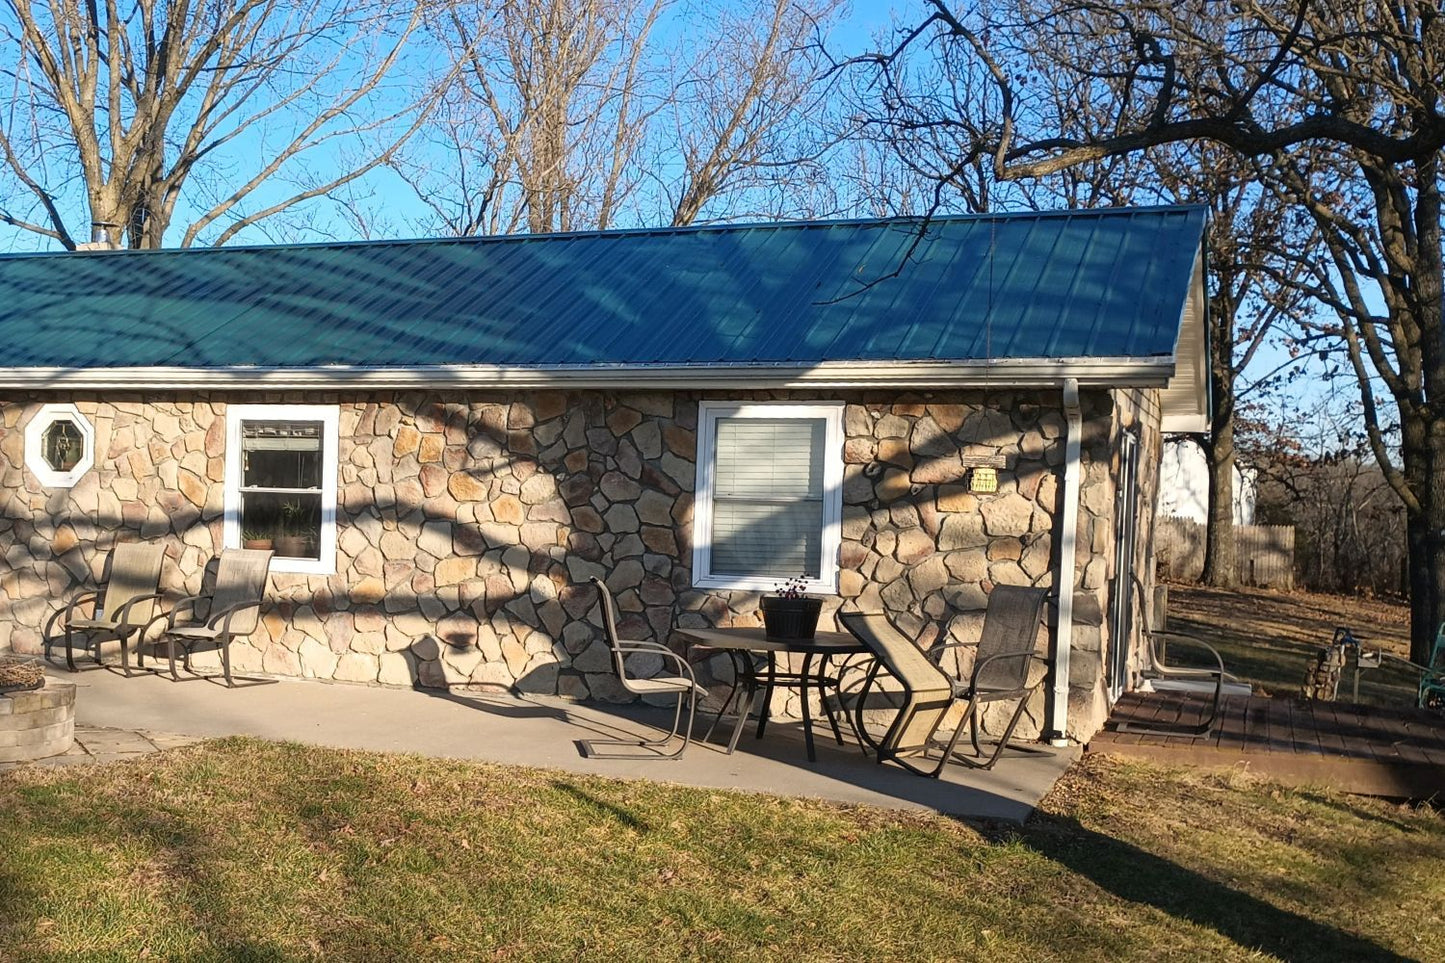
point(1269, 638)
point(245, 850)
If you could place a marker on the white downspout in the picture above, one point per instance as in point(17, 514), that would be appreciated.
point(1073, 428)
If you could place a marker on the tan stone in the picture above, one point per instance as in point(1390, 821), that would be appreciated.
point(65, 539)
point(1006, 514)
point(914, 545)
point(431, 448)
point(537, 489)
point(623, 420)
point(450, 571)
point(368, 591)
point(356, 667)
point(967, 566)
point(395, 669)
point(892, 486)
point(192, 487)
point(949, 417)
point(956, 498)
point(508, 509)
point(408, 441)
point(465, 487)
point(547, 405)
point(859, 451)
point(895, 451)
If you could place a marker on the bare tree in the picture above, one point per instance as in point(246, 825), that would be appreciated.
point(1342, 99)
point(117, 108)
point(746, 115)
point(573, 114)
point(544, 128)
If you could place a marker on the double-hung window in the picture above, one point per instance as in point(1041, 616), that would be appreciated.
point(281, 465)
point(769, 495)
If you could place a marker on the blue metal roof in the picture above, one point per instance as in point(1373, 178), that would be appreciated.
point(1085, 284)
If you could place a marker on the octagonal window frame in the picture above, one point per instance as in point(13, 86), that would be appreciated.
point(35, 445)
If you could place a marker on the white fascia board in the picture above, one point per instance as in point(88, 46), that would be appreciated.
point(925, 375)
point(1185, 400)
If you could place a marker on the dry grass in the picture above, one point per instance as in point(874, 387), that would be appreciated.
point(1268, 638)
point(247, 850)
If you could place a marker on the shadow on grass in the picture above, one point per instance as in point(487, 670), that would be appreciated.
point(601, 806)
point(1141, 877)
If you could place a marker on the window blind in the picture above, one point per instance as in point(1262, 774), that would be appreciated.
point(768, 497)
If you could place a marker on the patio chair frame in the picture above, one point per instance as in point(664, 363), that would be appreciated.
point(1432, 678)
point(222, 625)
point(1154, 640)
point(140, 565)
point(943, 690)
point(684, 684)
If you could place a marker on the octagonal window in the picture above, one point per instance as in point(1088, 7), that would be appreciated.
point(59, 446)
point(62, 445)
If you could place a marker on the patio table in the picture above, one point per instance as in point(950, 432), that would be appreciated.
point(755, 656)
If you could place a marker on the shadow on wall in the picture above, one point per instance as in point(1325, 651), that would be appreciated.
point(528, 613)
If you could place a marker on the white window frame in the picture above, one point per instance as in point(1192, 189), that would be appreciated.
point(34, 446)
point(708, 414)
point(330, 419)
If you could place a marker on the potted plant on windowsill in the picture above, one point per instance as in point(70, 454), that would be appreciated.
point(791, 613)
point(294, 541)
point(251, 538)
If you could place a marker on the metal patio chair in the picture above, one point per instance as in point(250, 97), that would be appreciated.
point(233, 608)
point(1006, 668)
point(1432, 681)
point(124, 608)
point(1165, 677)
point(683, 685)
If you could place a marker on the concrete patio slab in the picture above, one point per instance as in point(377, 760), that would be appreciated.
point(115, 715)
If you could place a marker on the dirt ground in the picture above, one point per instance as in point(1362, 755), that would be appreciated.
point(1269, 638)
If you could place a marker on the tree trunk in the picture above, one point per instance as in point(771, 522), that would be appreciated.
point(1424, 463)
point(1220, 565)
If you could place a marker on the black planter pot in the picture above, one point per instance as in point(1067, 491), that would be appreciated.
point(791, 618)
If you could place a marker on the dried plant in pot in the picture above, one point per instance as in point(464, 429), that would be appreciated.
point(297, 534)
point(791, 613)
point(18, 674)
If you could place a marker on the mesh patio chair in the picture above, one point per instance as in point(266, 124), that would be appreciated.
point(121, 610)
point(683, 685)
point(1164, 677)
point(1006, 667)
point(233, 608)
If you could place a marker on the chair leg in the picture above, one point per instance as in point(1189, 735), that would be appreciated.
point(69, 650)
point(589, 745)
point(1002, 744)
point(171, 656)
point(226, 661)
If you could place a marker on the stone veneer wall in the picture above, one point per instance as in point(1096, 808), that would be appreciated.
point(468, 524)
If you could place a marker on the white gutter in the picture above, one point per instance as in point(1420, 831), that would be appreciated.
point(924, 375)
point(1069, 525)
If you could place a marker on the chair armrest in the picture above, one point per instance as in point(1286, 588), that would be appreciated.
point(92, 597)
point(935, 652)
point(1000, 657)
point(1183, 672)
point(63, 614)
point(629, 647)
point(124, 614)
point(189, 600)
point(225, 615)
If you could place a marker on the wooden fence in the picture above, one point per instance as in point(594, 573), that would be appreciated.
point(1264, 553)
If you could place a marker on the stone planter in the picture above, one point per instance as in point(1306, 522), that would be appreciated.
point(787, 618)
point(37, 723)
